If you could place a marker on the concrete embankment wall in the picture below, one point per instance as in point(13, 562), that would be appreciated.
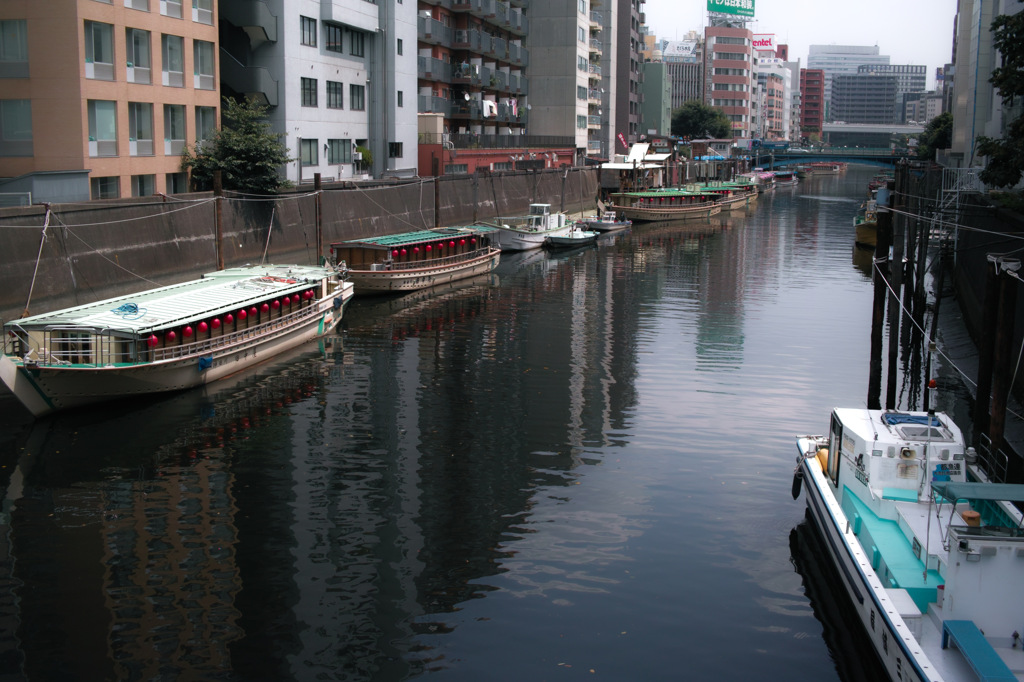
point(99, 250)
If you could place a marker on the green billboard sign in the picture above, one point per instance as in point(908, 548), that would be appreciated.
point(743, 8)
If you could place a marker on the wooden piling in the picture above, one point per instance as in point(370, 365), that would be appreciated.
point(879, 275)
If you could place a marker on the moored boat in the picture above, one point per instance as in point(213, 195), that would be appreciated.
point(786, 177)
point(609, 221)
point(865, 226)
point(928, 549)
point(410, 261)
point(735, 195)
point(684, 203)
point(169, 338)
point(575, 237)
point(531, 231)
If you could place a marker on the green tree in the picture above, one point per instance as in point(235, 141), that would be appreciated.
point(245, 150)
point(938, 134)
point(1006, 154)
point(696, 120)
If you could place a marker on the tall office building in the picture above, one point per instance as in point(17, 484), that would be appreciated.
point(98, 98)
point(840, 59)
point(911, 79)
point(730, 68)
point(812, 101)
point(627, 72)
point(866, 98)
point(684, 60)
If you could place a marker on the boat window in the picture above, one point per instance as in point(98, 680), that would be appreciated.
point(916, 432)
point(835, 440)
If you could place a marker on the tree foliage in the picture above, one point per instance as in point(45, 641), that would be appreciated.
point(938, 134)
point(245, 150)
point(1006, 155)
point(696, 120)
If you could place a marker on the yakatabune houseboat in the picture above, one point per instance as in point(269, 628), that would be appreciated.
point(689, 203)
point(417, 260)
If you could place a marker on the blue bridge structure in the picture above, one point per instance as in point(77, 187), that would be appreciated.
point(882, 157)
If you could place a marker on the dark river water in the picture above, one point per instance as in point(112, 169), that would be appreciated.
point(577, 468)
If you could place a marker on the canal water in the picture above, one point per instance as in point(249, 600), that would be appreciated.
point(576, 468)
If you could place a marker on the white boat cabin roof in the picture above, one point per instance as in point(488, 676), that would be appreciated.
point(216, 293)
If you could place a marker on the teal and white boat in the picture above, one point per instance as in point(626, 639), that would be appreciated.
point(928, 549)
point(169, 338)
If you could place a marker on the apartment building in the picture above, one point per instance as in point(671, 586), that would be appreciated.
point(730, 69)
point(99, 98)
point(812, 101)
point(628, 73)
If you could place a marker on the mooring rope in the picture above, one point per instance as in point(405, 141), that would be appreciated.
point(39, 256)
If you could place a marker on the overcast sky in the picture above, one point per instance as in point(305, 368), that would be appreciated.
point(909, 31)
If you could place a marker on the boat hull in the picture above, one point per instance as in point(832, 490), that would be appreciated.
point(570, 242)
point(650, 214)
point(386, 281)
point(511, 239)
point(44, 389)
point(890, 636)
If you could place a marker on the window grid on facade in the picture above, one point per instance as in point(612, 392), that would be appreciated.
point(332, 38)
point(339, 151)
point(308, 86)
point(105, 188)
point(171, 8)
point(15, 127)
point(173, 48)
point(102, 127)
point(138, 57)
point(202, 12)
point(357, 44)
point(203, 65)
point(309, 154)
point(206, 123)
point(99, 51)
point(335, 95)
point(140, 129)
point(308, 31)
point(14, 48)
point(394, 150)
point(357, 97)
point(174, 129)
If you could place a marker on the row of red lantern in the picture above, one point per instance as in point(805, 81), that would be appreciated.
point(395, 253)
point(188, 331)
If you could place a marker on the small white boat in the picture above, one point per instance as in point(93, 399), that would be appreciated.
point(411, 261)
point(609, 221)
point(530, 231)
point(929, 550)
point(170, 338)
point(576, 237)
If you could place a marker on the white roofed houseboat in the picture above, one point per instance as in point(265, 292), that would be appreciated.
point(929, 550)
point(169, 338)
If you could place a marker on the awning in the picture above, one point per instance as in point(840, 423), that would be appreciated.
point(656, 157)
point(629, 166)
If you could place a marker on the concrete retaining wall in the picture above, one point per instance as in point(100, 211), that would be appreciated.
point(104, 249)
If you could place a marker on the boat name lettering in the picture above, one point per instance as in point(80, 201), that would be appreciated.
point(848, 445)
point(861, 476)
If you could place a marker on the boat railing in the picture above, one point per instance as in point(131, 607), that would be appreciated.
point(65, 345)
point(995, 463)
point(435, 262)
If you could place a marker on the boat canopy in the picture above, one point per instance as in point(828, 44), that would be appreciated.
point(407, 238)
point(1007, 492)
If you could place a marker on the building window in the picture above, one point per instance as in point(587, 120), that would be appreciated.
point(102, 127)
point(581, 92)
point(202, 54)
point(394, 150)
point(583, 6)
point(14, 48)
point(174, 129)
point(202, 12)
point(173, 49)
point(105, 188)
point(335, 95)
point(456, 169)
point(357, 44)
point(339, 151)
point(581, 63)
point(206, 123)
point(357, 97)
point(137, 47)
point(99, 51)
point(171, 8)
point(137, 4)
point(308, 31)
point(332, 42)
point(15, 127)
point(140, 129)
point(177, 183)
point(308, 86)
point(308, 152)
point(581, 35)
point(143, 185)
point(399, 47)
point(581, 122)
point(399, 99)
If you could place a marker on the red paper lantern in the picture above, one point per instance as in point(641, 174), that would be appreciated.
point(394, 254)
point(415, 249)
point(187, 332)
point(152, 340)
point(451, 244)
point(295, 298)
point(428, 247)
point(242, 314)
point(265, 307)
point(472, 240)
point(440, 245)
point(203, 327)
point(307, 295)
point(171, 335)
point(403, 252)
point(229, 318)
point(462, 242)
point(215, 323)
point(275, 304)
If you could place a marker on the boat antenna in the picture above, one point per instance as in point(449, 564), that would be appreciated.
point(269, 229)
point(39, 256)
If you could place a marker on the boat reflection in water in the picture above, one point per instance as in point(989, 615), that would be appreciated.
point(847, 642)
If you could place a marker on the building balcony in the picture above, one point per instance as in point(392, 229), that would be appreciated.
point(254, 18)
point(433, 32)
point(518, 55)
point(429, 104)
point(594, 96)
point(251, 81)
point(468, 39)
point(431, 68)
point(596, 47)
point(518, 24)
point(495, 47)
point(593, 122)
point(483, 9)
point(439, 3)
point(596, 19)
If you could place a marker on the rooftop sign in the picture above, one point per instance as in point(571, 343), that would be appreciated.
point(743, 8)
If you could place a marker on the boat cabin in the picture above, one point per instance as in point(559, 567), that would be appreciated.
point(419, 249)
point(539, 219)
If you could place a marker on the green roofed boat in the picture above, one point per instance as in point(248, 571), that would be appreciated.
point(691, 202)
point(410, 261)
